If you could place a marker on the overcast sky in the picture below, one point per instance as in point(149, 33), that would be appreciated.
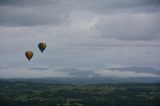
point(81, 34)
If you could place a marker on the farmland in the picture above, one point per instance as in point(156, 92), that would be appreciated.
point(18, 93)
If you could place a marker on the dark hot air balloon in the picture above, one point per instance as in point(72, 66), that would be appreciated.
point(29, 55)
point(42, 46)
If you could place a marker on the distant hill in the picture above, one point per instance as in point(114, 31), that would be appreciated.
point(98, 80)
point(77, 76)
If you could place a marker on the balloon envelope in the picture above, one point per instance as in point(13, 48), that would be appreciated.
point(29, 55)
point(42, 46)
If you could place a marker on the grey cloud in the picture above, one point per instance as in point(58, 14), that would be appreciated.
point(114, 6)
point(124, 74)
point(79, 73)
point(27, 2)
point(53, 12)
point(31, 16)
point(40, 72)
point(39, 68)
point(114, 72)
point(140, 26)
point(62, 51)
point(31, 13)
point(107, 43)
point(79, 34)
point(138, 69)
point(26, 73)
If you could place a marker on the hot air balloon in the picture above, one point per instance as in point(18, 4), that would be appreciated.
point(29, 55)
point(42, 46)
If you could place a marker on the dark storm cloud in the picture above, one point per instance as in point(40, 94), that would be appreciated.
point(155, 2)
point(26, 2)
point(120, 6)
point(31, 13)
point(53, 12)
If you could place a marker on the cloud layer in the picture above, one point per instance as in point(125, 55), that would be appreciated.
point(46, 72)
point(89, 35)
point(124, 74)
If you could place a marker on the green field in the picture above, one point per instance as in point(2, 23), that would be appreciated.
point(19, 93)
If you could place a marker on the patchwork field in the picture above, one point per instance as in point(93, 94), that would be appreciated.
point(19, 93)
